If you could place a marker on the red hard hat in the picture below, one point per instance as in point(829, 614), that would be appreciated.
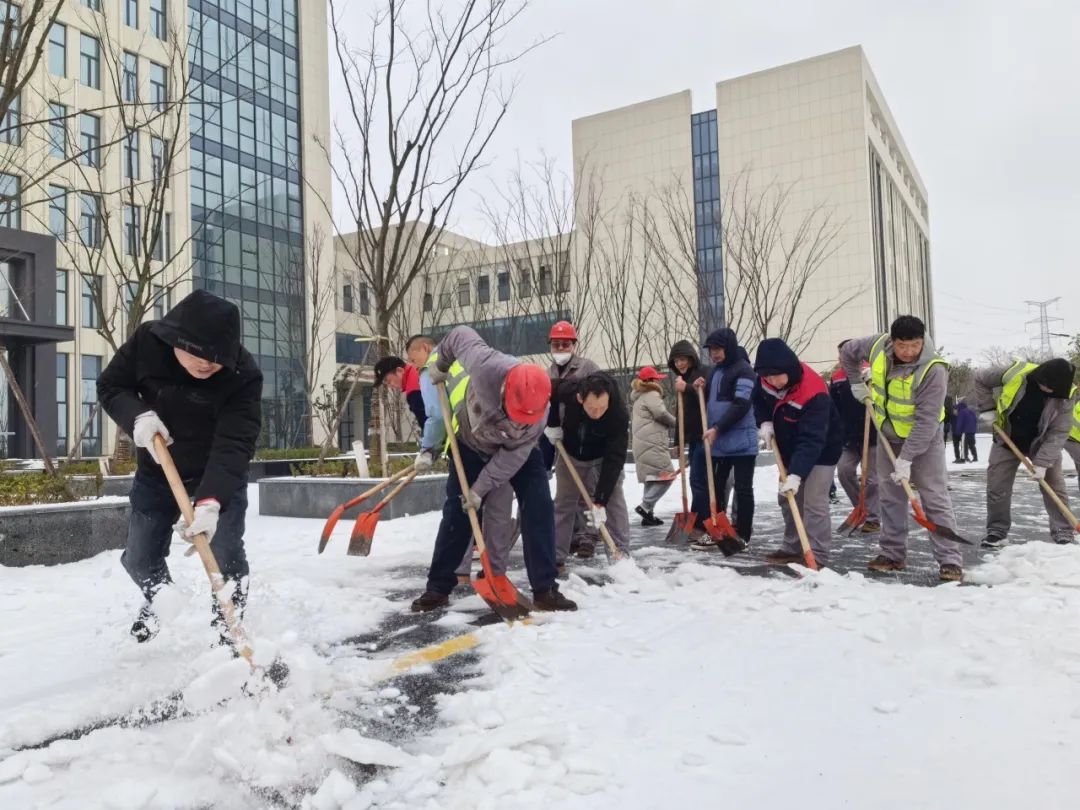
point(563, 330)
point(526, 395)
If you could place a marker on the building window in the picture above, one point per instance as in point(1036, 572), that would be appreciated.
point(91, 370)
point(58, 50)
point(429, 302)
point(131, 77)
point(92, 4)
point(9, 200)
point(57, 133)
point(58, 218)
point(365, 302)
point(504, 286)
point(159, 86)
point(89, 139)
point(544, 280)
point(160, 301)
point(91, 291)
point(90, 61)
point(131, 156)
point(62, 403)
point(159, 26)
point(61, 297)
point(159, 154)
point(9, 124)
point(132, 229)
point(163, 243)
point(90, 220)
point(463, 293)
point(483, 290)
point(524, 282)
point(131, 13)
point(346, 298)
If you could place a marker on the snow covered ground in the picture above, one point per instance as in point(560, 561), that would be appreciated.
point(679, 683)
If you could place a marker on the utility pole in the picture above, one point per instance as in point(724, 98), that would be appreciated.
point(1044, 320)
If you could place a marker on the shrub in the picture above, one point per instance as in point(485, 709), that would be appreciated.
point(277, 454)
point(122, 467)
point(31, 488)
point(79, 468)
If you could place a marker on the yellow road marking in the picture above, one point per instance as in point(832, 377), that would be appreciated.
point(436, 652)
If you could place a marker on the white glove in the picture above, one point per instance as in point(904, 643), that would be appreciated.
point(204, 521)
point(860, 392)
point(987, 418)
point(423, 461)
point(436, 374)
point(554, 434)
point(766, 433)
point(596, 516)
point(471, 501)
point(1038, 473)
point(902, 471)
point(866, 372)
point(147, 426)
point(791, 485)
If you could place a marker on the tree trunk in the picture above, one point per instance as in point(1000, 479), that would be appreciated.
point(331, 434)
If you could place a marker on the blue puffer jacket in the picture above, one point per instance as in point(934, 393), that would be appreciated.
point(728, 393)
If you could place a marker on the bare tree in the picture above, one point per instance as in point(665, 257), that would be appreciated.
point(23, 39)
point(772, 258)
point(425, 98)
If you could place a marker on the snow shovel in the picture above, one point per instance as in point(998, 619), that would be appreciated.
point(683, 522)
point(860, 513)
point(363, 533)
point(916, 507)
point(613, 549)
point(341, 509)
point(1049, 490)
point(277, 671)
point(718, 526)
point(796, 515)
point(498, 591)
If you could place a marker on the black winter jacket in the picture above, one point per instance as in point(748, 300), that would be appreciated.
point(692, 430)
point(214, 423)
point(852, 412)
point(805, 421)
point(589, 439)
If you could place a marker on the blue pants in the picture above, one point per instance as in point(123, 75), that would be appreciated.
point(153, 513)
point(699, 483)
point(536, 515)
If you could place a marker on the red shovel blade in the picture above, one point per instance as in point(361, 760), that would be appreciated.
point(681, 527)
point(720, 529)
point(328, 529)
point(855, 520)
point(500, 594)
point(363, 533)
point(933, 528)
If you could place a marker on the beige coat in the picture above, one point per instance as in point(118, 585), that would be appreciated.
point(650, 424)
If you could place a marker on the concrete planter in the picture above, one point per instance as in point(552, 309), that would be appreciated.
point(317, 497)
point(52, 534)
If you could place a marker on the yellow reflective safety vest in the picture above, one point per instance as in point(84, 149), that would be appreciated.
point(1074, 434)
point(457, 385)
point(894, 400)
point(1011, 383)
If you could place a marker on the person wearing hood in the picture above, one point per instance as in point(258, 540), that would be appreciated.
point(568, 368)
point(593, 424)
point(685, 365)
point(793, 409)
point(188, 379)
point(907, 382)
point(1032, 403)
point(730, 430)
point(853, 418)
point(966, 425)
point(650, 426)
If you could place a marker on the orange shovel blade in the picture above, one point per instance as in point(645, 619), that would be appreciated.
point(328, 529)
point(363, 534)
point(933, 528)
point(500, 594)
point(681, 527)
point(856, 519)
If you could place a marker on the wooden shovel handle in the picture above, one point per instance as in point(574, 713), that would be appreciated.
point(604, 533)
point(201, 544)
point(892, 457)
point(1049, 490)
point(478, 535)
point(708, 452)
point(394, 492)
point(796, 515)
point(867, 422)
point(682, 450)
point(375, 490)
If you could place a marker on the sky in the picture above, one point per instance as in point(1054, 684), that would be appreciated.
point(984, 93)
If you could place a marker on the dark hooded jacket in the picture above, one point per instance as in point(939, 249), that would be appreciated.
point(805, 421)
point(852, 412)
point(691, 412)
point(588, 439)
point(214, 423)
point(966, 422)
point(728, 394)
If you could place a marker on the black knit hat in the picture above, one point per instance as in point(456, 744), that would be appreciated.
point(776, 357)
point(1057, 375)
point(387, 365)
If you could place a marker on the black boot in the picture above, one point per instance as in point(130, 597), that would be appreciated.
point(428, 601)
point(647, 517)
point(146, 624)
point(552, 600)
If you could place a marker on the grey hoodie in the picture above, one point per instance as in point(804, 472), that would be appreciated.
point(1054, 424)
point(929, 396)
point(483, 424)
